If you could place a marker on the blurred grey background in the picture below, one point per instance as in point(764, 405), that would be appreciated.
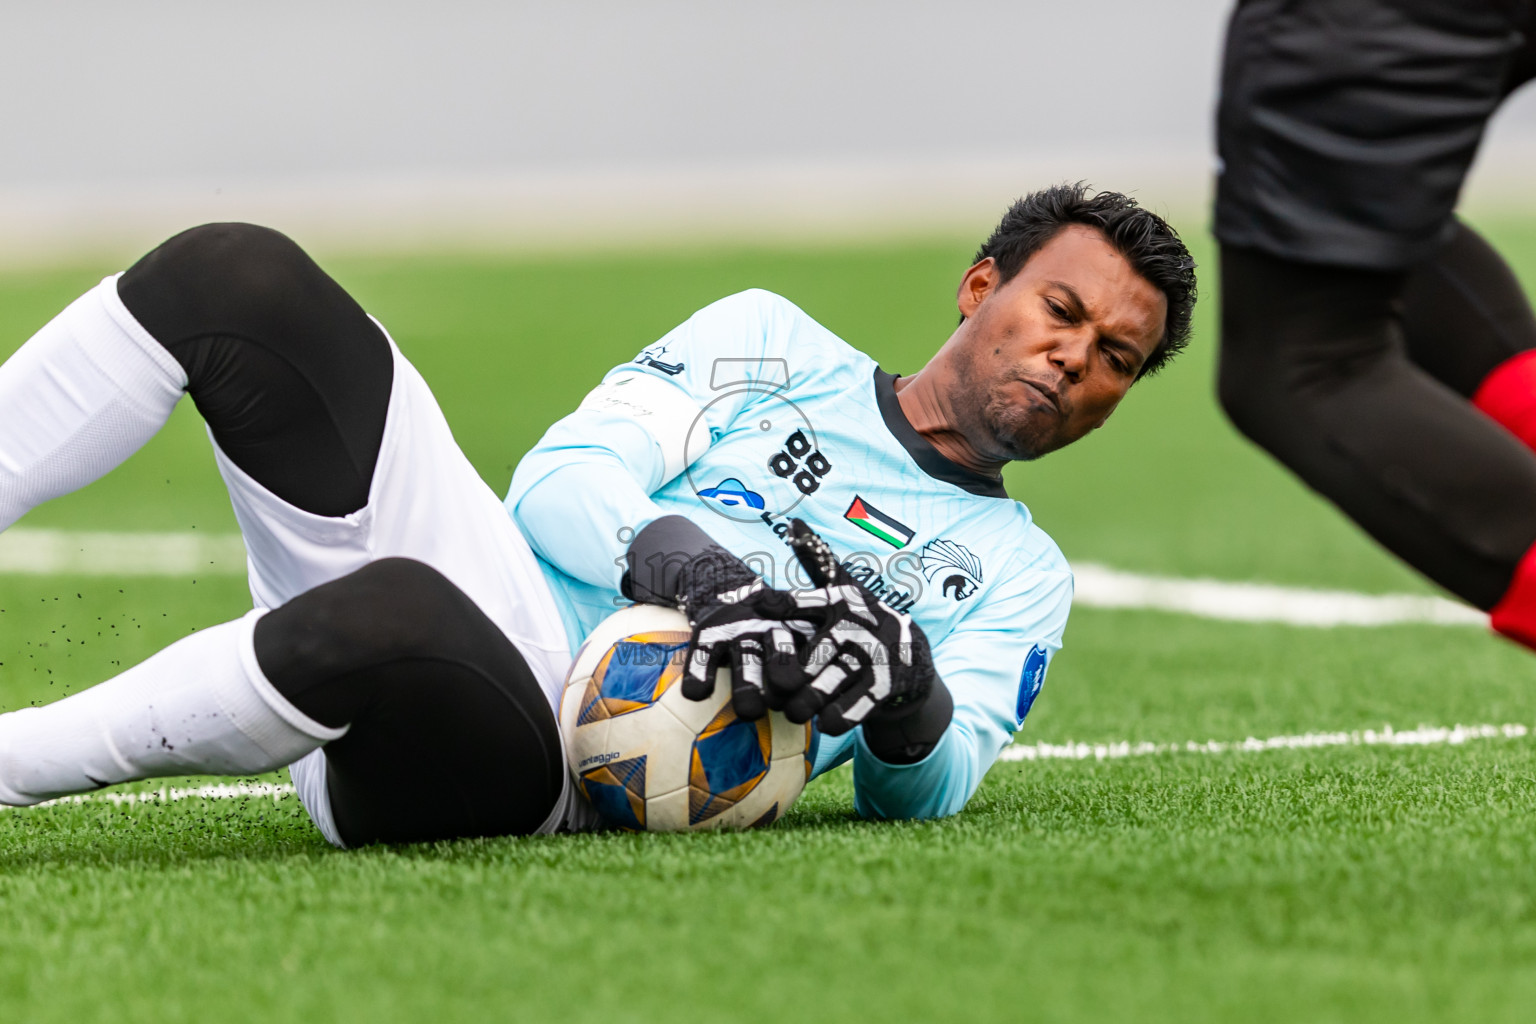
point(522, 124)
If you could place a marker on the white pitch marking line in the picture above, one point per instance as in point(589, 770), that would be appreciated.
point(1097, 586)
point(44, 552)
point(218, 791)
point(1423, 736)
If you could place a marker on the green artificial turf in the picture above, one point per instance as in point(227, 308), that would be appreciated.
point(1335, 884)
point(1326, 885)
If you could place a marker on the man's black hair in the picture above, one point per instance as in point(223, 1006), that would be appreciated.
point(1148, 243)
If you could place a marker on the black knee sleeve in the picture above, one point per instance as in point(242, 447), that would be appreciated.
point(318, 648)
point(450, 733)
point(290, 373)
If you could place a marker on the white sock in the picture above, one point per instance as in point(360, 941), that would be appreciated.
point(78, 398)
point(201, 706)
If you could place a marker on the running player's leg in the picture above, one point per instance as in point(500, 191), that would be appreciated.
point(1314, 369)
point(1467, 321)
point(1465, 315)
point(1335, 184)
point(1344, 132)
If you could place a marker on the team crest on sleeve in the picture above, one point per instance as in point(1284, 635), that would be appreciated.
point(1030, 680)
point(651, 356)
point(954, 565)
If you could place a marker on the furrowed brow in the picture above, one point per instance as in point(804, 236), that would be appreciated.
point(1132, 353)
point(1078, 307)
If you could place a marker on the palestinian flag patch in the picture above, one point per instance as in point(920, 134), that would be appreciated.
point(871, 520)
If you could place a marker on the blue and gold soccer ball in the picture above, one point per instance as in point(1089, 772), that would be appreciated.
point(649, 759)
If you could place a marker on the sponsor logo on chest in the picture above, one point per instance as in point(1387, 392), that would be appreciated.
point(800, 463)
point(944, 568)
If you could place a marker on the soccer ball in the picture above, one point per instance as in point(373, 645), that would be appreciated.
point(647, 758)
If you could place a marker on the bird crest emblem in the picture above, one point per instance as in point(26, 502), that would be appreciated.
point(954, 565)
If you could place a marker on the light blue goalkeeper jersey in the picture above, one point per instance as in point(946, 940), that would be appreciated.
point(751, 413)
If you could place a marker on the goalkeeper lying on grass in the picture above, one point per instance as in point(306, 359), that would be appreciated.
point(410, 633)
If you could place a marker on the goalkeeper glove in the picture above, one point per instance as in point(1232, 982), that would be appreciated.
point(738, 623)
point(866, 664)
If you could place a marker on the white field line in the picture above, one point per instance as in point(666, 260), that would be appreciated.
point(1423, 736)
point(1099, 586)
point(44, 552)
point(218, 791)
point(182, 554)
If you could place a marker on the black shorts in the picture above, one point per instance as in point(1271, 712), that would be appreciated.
point(1345, 127)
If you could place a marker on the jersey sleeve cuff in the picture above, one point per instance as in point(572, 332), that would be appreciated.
point(929, 788)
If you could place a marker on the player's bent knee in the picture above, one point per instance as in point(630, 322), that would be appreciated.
point(220, 278)
point(230, 245)
point(390, 610)
point(232, 262)
point(292, 376)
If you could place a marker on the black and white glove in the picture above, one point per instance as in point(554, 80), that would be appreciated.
point(739, 624)
point(866, 664)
